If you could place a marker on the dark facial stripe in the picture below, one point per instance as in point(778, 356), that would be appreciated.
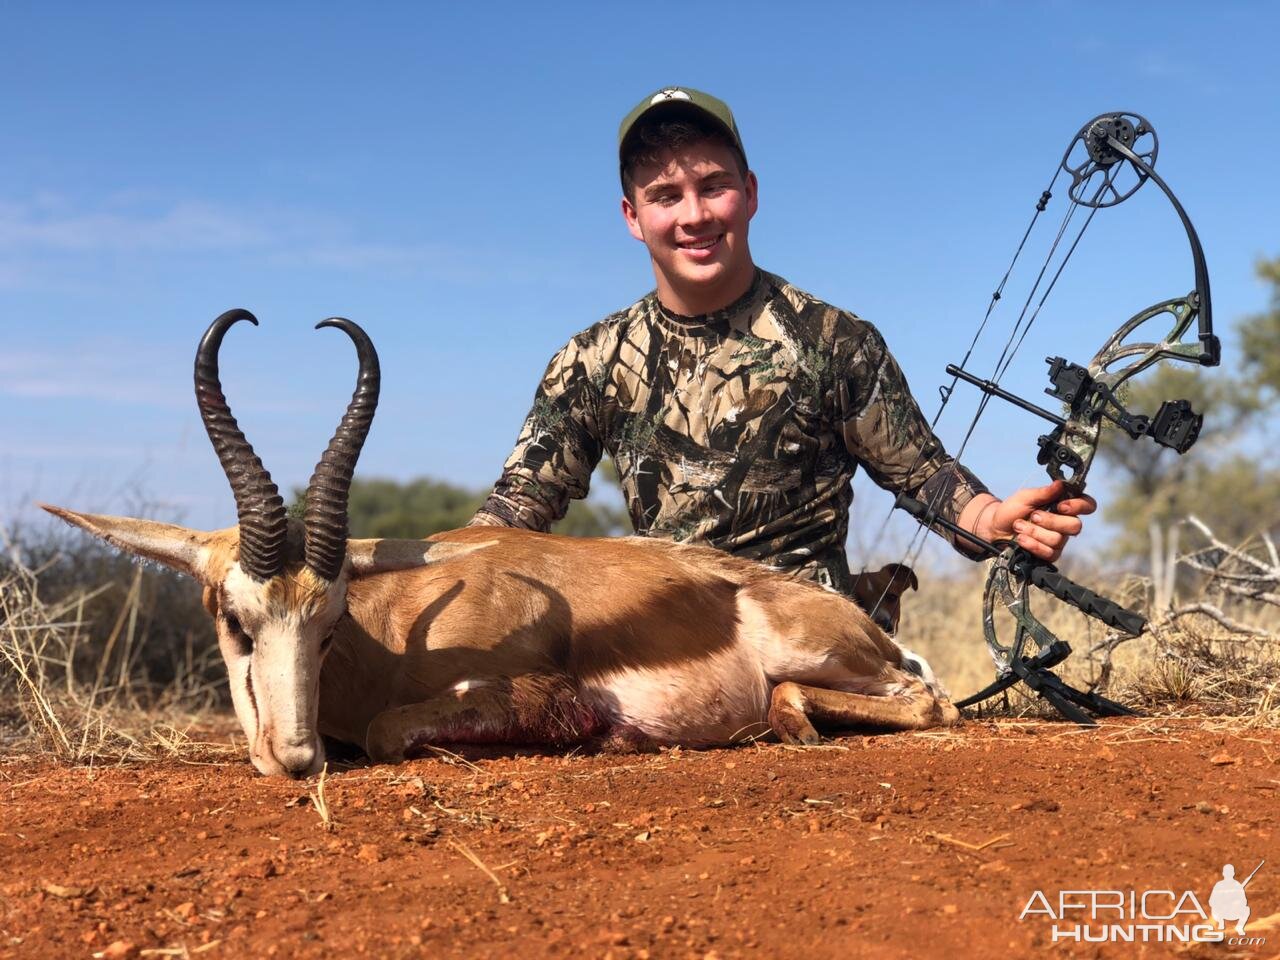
point(253, 700)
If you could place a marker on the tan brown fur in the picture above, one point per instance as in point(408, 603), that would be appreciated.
point(494, 635)
point(542, 605)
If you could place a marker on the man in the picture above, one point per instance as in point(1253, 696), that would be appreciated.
point(735, 406)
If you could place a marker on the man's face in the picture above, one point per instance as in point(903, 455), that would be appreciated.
point(692, 213)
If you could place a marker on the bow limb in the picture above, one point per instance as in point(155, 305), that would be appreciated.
point(1210, 353)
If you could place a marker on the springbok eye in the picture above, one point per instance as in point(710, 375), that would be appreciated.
point(237, 631)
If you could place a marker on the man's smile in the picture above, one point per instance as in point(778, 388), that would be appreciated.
point(701, 247)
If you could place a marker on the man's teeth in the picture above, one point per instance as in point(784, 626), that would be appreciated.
point(702, 244)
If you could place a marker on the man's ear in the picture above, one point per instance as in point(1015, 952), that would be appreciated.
point(633, 221)
point(752, 186)
point(369, 557)
point(182, 549)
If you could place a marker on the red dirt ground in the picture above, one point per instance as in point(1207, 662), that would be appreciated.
point(864, 847)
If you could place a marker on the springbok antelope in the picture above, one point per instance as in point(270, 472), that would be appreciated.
point(494, 635)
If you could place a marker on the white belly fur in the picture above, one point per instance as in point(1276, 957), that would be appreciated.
point(723, 698)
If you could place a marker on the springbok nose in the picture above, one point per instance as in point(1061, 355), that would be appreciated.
point(299, 759)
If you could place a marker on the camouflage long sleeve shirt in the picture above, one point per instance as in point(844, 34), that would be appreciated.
point(741, 429)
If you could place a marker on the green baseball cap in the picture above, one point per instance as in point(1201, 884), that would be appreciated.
point(681, 98)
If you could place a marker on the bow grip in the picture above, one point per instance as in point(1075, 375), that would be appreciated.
point(1095, 605)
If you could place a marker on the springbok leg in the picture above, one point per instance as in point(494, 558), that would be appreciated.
point(795, 707)
point(527, 710)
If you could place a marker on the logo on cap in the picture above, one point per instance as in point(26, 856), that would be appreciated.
point(671, 93)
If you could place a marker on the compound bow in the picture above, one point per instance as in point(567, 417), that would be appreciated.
point(1108, 160)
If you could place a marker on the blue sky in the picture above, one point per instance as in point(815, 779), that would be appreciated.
point(447, 178)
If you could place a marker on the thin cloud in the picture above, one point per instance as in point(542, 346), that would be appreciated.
point(109, 374)
point(127, 224)
point(76, 451)
point(186, 226)
point(46, 230)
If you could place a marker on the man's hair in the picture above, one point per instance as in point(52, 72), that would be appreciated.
point(673, 129)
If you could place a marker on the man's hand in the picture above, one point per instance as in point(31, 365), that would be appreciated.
point(1027, 518)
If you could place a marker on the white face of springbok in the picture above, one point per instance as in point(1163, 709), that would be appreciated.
point(274, 633)
point(273, 638)
point(276, 588)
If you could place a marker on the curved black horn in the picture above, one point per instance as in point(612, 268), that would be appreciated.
point(263, 522)
point(326, 514)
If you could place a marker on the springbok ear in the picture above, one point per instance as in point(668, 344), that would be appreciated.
point(382, 556)
point(178, 547)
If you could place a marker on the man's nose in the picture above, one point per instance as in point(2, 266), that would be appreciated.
point(693, 211)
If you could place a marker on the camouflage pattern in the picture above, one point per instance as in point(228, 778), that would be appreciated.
point(741, 429)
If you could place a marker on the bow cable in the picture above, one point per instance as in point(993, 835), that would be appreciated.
point(1017, 335)
point(945, 391)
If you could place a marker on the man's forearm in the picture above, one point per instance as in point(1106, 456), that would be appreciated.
point(483, 518)
point(519, 501)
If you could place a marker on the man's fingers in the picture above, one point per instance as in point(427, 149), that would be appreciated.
point(1042, 519)
point(1051, 539)
point(1058, 494)
point(1067, 525)
point(1037, 549)
point(1077, 506)
point(1041, 496)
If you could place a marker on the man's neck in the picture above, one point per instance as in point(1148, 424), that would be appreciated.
point(694, 301)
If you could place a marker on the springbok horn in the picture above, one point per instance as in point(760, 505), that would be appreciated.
point(326, 513)
point(259, 506)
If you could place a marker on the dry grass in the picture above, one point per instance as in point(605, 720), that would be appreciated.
point(320, 801)
point(74, 690)
point(1187, 664)
point(1194, 664)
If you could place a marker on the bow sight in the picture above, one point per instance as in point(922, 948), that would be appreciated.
point(1108, 160)
point(1176, 425)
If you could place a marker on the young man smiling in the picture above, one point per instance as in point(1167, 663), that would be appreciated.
point(735, 406)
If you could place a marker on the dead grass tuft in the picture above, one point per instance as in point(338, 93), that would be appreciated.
point(1193, 662)
point(80, 697)
point(1214, 653)
point(320, 801)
